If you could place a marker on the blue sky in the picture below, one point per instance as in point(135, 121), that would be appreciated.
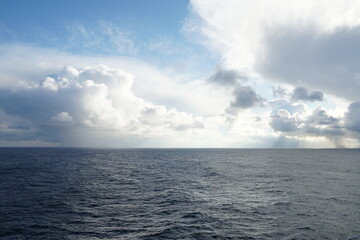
point(144, 24)
point(26, 19)
point(199, 73)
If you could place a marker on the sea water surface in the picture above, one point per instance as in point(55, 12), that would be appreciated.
point(72, 193)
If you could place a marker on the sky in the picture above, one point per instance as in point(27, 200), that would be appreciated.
point(198, 73)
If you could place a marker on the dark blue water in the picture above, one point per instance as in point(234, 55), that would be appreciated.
point(179, 194)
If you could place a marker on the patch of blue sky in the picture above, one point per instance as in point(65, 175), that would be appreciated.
point(163, 15)
point(149, 30)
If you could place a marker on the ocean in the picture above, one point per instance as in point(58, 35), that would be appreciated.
point(75, 193)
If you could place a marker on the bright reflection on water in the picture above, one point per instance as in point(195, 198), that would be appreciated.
point(179, 194)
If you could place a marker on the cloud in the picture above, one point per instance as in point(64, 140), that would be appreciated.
point(50, 83)
point(22, 67)
point(227, 77)
point(62, 117)
point(317, 124)
point(304, 94)
point(352, 117)
point(279, 92)
point(320, 117)
point(23, 70)
point(312, 44)
point(309, 43)
point(323, 60)
point(320, 123)
point(284, 122)
point(292, 108)
point(141, 106)
point(244, 98)
point(93, 99)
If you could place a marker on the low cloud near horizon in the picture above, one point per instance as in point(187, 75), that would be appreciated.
point(77, 106)
point(93, 98)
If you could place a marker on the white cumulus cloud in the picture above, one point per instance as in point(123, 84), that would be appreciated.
point(97, 99)
point(62, 117)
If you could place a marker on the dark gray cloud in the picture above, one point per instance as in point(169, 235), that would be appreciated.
point(320, 117)
point(227, 77)
point(18, 127)
point(352, 117)
point(333, 131)
point(304, 94)
point(32, 112)
point(282, 124)
point(289, 119)
point(318, 123)
point(329, 61)
point(244, 97)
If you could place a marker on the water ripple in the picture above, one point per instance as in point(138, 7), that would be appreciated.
point(178, 194)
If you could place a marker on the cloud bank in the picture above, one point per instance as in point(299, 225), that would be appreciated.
point(92, 98)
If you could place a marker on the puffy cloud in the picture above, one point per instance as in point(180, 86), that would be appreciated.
point(227, 77)
point(352, 117)
point(284, 122)
point(292, 108)
point(320, 117)
point(304, 94)
point(320, 123)
point(50, 83)
point(62, 117)
point(309, 43)
point(21, 67)
point(244, 97)
point(317, 124)
point(98, 99)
